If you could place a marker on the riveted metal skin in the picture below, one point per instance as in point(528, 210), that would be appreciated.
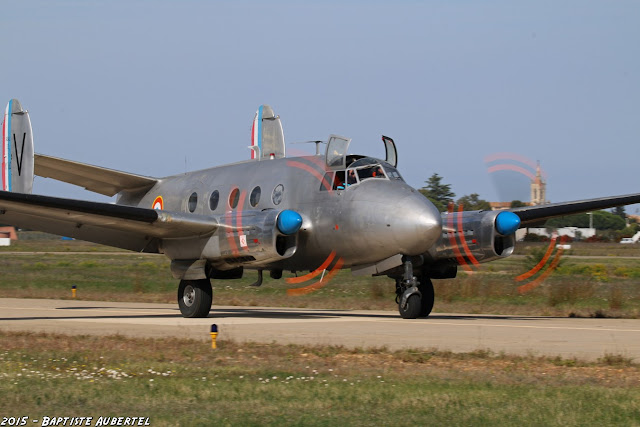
point(364, 223)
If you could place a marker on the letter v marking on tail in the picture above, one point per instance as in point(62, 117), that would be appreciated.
point(20, 156)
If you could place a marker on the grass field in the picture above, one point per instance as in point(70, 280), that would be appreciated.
point(181, 382)
point(601, 282)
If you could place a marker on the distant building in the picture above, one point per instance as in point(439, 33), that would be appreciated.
point(8, 233)
point(538, 193)
point(573, 232)
point(538, 189)
point(498, 206)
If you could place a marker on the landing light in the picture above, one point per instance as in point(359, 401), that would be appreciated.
point(507, 223)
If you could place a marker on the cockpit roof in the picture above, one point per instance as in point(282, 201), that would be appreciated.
point(336, 156)
point(364, 161)
point(356, 160)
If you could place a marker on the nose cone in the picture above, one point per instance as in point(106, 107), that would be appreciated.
point(416, 225)
point(382, 219)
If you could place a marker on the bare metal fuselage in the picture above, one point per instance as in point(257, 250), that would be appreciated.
point(363, 223)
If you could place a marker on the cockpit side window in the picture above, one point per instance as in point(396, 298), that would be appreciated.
point(339, 181)
point(327, 181)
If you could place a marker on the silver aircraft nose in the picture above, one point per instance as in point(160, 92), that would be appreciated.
point(384, 219)
point(416, 226)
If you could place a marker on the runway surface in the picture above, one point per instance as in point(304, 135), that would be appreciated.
point(582, 338)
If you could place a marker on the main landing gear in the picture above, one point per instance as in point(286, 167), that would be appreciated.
point(195, 297)
point(415, 298)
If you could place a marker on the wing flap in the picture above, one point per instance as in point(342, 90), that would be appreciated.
point(125, 227)
point(93, 178)
point(532, 214)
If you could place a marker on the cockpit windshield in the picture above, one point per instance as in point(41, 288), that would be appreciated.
point(360, 170)
point(373, 171)
point(367, 166)
point(392, 173)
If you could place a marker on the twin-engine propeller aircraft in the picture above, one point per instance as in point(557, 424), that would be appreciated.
point(273, 213)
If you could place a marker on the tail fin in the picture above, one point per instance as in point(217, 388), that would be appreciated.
point(267, 138)
point(16, 167)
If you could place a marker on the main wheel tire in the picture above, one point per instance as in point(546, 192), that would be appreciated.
point(412, 308)
point(428, 296)
point(195, 297)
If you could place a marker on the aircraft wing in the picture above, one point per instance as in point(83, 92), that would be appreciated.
point(532, 214)
point(127, 227)
point(93, 178)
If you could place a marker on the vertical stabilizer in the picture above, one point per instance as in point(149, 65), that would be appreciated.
point(16, 168)
point(267, 137)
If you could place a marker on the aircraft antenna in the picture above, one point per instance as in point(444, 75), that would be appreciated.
point(317, 142)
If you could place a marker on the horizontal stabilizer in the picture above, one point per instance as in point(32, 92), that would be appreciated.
point(127, 227)
point(93, 178)
point(532, 214)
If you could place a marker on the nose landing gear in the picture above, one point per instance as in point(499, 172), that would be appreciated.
point(415, 298)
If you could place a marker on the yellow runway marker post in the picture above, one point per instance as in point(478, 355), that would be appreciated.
point(214, 335)
point(73, 291)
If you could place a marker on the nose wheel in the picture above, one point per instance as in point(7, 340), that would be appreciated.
point(415, 301)
point(415, 298)
point(195, 297)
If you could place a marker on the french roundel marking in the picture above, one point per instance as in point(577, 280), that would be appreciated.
point(158, 203)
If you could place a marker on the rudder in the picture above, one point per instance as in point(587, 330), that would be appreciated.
point(16, 169)
point(267, 138)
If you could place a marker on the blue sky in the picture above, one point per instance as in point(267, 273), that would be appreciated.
point(141, 86)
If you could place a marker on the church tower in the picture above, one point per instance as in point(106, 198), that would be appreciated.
point(538, 189)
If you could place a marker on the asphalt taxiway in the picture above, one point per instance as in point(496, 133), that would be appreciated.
point(526, 335)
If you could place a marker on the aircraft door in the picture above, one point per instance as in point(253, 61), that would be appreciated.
point(390, 148)
point(336, 154)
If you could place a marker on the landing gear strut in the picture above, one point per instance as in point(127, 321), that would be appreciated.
point(415, 298)
point(195, 297)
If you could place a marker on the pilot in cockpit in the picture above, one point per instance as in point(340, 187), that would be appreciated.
point(351, 177)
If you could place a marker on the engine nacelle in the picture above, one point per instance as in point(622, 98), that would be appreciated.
point(253, 238)
point(475, 235)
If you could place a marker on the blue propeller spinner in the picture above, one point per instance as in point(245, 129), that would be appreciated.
point(289, 222)
point(507, 223)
